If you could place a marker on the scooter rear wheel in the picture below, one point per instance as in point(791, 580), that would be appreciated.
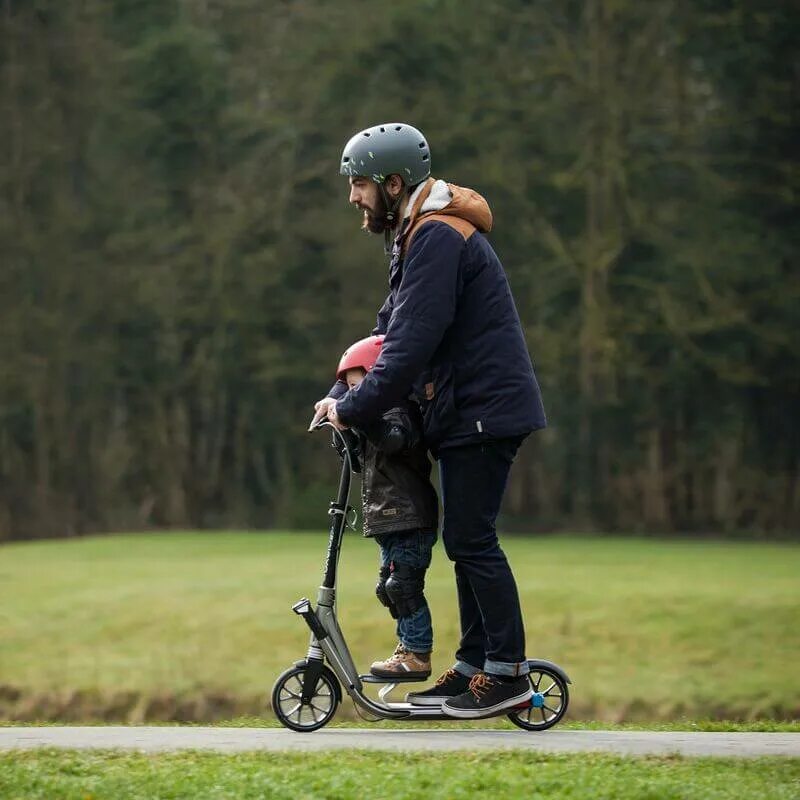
point(287, 701)
point(548, 704)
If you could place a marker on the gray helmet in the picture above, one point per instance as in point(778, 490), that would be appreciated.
point(388, 149)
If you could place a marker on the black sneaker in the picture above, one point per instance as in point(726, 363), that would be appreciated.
point(449, 685)
point(487, 696)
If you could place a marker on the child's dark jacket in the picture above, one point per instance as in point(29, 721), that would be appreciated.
point(396, 490)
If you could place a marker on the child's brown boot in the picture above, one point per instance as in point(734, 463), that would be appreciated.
point(403, 663)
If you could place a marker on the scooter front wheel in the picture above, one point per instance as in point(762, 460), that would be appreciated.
point(289, 707)
point(548, 704)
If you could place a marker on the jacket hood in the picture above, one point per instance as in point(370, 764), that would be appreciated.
point(436, 196)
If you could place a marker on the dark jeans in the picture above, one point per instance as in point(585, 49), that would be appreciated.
point(413, 548)
point(473, 479)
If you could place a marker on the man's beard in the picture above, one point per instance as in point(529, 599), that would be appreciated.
point(376, 222)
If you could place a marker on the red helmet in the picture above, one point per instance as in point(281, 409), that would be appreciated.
point(363, 353)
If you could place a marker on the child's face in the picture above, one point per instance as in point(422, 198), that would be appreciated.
point(354, 377)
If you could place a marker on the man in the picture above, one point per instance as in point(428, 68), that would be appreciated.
point(454, 340)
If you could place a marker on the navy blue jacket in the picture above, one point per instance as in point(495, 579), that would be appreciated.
point(453, 338)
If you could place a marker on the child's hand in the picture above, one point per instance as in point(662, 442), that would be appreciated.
point(321, 410)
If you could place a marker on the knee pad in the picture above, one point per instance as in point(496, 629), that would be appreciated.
point(405, 587)
point(381, 594)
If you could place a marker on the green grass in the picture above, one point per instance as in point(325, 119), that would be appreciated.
point(74, 775)
point(197, 626)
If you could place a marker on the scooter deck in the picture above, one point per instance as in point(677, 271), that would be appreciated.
point(394, 679)
point(403, 710)
point(434, 713)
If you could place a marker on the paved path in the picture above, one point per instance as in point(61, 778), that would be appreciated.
point(229, 740)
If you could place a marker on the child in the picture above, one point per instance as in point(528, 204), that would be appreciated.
point(401, 511)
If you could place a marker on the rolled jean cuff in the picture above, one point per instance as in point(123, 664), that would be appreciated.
point(466, 669)
point(502, 668)
point(415, 646)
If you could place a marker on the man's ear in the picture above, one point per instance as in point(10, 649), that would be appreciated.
point(394, 185)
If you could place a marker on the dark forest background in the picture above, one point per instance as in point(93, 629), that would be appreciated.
point(180, 270)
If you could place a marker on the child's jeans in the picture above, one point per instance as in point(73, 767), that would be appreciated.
point(412, 548)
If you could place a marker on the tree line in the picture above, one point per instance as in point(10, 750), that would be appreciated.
point(180, 270)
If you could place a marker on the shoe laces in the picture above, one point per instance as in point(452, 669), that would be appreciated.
point(449, 675)
point(480, 684)
point(398, 654)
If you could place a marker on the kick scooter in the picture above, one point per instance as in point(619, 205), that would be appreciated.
point(305, 696)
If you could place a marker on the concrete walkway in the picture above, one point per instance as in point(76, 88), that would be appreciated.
point(231, 740)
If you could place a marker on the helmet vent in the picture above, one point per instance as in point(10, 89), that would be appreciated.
point(383, 130)
point(398, 127)
point(367, 133)
point(345, 158)
point(425, 157)
point(422, 145)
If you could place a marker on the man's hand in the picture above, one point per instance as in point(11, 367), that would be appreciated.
point(326, 409)
point(333, 418)
point(321, 410)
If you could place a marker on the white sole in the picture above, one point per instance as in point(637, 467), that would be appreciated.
point(471, 713)
point(433, 702)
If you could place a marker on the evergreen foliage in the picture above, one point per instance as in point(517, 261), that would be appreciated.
point(179, 270)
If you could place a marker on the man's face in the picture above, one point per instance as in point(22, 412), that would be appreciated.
point(365, 194)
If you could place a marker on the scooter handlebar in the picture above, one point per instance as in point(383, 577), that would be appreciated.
point(341, 441)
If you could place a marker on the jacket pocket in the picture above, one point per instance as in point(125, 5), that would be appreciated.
point(435, 393)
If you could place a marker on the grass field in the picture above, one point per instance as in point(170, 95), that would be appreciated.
point(197, 626)
point(361, 776)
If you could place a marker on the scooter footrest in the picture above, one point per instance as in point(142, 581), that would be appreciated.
point(396, 679)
